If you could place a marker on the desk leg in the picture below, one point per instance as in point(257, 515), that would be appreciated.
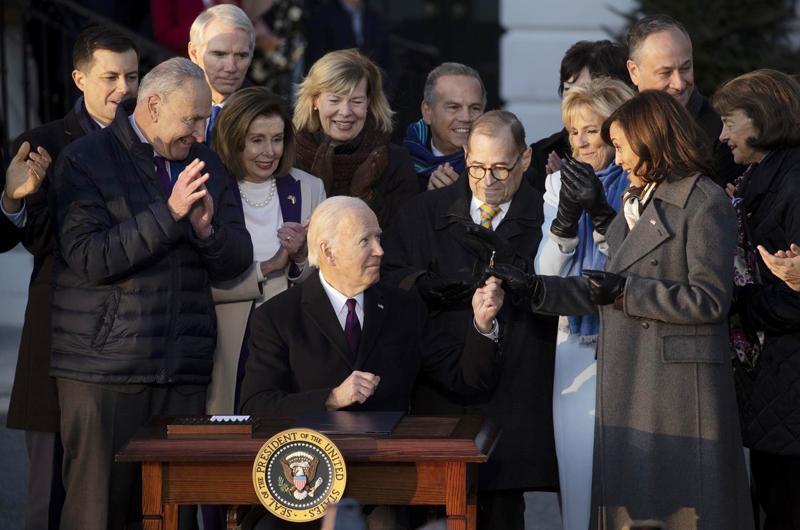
point(456, 495)
point(170, 517)
point(151, 496)
point(472, 496)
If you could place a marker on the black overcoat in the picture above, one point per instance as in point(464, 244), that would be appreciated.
point(432, 226)
point(770, 397)
point(34, 397)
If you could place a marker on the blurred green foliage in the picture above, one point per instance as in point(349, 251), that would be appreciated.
point(729, 37)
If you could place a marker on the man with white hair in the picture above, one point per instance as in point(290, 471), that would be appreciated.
point(221, 42)
point(143, 217)
point(341, 340)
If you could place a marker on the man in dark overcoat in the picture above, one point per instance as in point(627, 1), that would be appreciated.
point(429, 249)
point(144, 217)
point(660, 58)
point(106, 70)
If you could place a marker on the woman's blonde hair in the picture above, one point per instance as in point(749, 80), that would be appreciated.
point(338, 73)
point(601, 95)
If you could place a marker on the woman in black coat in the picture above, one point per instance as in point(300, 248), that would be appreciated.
point(761, 124)
point(343, 123)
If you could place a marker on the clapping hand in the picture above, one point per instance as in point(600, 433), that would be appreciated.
point(553, 163)
point(23, 177)
point(293, 239)
point(517, 282)
point(785, 264)
point(443, 176)
point(486, 303)
point(565, 225)
point(188, 189)
point(368, 172)
point(582, 182)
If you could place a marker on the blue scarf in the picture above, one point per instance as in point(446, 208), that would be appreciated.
point(425, 162)
point(587, 253)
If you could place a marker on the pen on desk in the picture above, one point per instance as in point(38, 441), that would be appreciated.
point(491, 260)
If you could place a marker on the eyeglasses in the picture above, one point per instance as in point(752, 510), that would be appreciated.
point(499, 173)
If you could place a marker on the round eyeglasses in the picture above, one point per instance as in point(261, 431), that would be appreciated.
point(499, 173)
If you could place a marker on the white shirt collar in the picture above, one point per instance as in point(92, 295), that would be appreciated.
point(435, 151)
point(137, 130)
point(476, 214)
point(339, 301)
point(97, 122)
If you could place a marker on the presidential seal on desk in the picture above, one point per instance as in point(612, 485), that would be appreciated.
point(298, 473)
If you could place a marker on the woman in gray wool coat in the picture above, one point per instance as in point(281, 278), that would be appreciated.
point(667, 442)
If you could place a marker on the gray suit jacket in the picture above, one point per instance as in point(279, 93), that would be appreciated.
point(667, 440)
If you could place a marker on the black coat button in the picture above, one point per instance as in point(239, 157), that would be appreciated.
point(654, 262)
point(645, 325)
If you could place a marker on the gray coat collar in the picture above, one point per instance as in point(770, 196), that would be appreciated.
point(676, 192)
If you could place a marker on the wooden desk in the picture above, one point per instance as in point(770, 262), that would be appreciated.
point(426, 460)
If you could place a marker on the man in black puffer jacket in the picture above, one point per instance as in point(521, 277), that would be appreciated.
point(143, 216)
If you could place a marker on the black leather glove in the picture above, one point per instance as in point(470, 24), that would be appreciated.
point(439, 293)
point(583, 184)
point(569, 213)
point(517, 282)
point(604, 287)
point(483, 242)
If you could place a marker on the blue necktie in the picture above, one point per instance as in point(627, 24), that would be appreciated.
point(214, 112)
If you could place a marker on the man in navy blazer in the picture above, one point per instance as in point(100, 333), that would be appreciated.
point(340, 340)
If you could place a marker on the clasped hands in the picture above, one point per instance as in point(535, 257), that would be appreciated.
point(190, 197)
point(581, 190)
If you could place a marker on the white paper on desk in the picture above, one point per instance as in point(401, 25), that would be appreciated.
point(230, 418)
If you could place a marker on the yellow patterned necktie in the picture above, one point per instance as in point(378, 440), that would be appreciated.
point(487, 214)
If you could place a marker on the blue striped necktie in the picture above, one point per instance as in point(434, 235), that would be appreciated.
point(487, 214)
point(214, 112)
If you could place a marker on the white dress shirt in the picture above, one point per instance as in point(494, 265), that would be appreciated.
point(475, 213)
point(339, 302)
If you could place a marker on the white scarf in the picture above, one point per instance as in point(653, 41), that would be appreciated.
point(633, 203)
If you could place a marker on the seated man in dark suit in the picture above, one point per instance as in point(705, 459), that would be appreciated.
point(308, 350)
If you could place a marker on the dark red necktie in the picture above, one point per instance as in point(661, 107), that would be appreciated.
point(163, 174)
point(352, 328)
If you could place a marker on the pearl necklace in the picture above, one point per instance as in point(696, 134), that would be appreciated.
point(259, 204)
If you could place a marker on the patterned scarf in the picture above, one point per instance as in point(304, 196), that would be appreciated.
point(425, 162)
point(587, 253)
point(745, 343)
point(347, 157)
point(635, 200)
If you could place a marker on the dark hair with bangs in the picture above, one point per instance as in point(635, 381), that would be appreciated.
point(669, 143)
point(603, 58)
point(771, 99)
point(233, 123)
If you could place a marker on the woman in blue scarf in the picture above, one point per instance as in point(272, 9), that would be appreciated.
point(576, 242)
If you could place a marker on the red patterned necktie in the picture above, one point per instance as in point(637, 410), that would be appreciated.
point(352, 328)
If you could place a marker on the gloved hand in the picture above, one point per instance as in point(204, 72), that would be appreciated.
point(483, 242)
point(604, 287)
point(439, 293)
point(367, 174)
point(569, 213)
point(517, 282)
point(583, 184)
